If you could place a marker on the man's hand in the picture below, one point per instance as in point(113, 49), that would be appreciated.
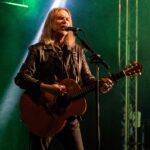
point(57, 89)
point(105, 85)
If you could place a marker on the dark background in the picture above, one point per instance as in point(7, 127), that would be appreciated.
point(99, 19)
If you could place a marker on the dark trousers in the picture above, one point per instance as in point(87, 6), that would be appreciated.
point(68, 139)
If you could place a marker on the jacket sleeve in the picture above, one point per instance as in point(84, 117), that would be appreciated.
point(25, 78)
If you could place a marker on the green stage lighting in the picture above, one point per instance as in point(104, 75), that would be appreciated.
point(15, 4)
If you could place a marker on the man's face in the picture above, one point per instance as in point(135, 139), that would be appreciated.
point(61, 21)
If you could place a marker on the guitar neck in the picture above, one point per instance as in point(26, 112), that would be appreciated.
point(130, 70)
point(115, 77)
point(92, 86)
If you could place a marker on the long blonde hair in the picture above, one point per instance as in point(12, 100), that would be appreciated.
point(47, 34)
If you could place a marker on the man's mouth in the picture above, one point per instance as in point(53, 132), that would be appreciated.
point(63, 27)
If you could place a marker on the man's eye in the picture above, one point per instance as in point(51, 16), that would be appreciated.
point(59, 18)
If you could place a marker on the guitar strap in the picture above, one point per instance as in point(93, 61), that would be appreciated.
point(67, 64)
point(77, 60)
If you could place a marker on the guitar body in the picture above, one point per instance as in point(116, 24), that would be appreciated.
point(48, 121)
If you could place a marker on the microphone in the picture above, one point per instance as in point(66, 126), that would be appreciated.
point(74, 29)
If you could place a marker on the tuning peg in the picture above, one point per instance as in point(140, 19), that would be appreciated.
point(140, 73)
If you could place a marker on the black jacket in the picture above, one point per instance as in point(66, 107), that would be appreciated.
point(49, 64)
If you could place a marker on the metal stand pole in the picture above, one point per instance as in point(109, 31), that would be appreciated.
point(97, 60)
point(97, 108)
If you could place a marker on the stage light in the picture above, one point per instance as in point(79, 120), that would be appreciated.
point(15, 4)
point(11, 97)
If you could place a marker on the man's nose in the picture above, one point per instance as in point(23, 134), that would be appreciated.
point(64, 20)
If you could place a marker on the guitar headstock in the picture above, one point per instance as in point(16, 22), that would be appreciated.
point(133, 69)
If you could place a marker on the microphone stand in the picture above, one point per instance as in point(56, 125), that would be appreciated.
point(97, 60)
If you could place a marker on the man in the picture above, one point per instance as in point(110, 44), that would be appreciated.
point(57, 57)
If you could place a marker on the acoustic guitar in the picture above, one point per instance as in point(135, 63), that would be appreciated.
point(46, 114)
